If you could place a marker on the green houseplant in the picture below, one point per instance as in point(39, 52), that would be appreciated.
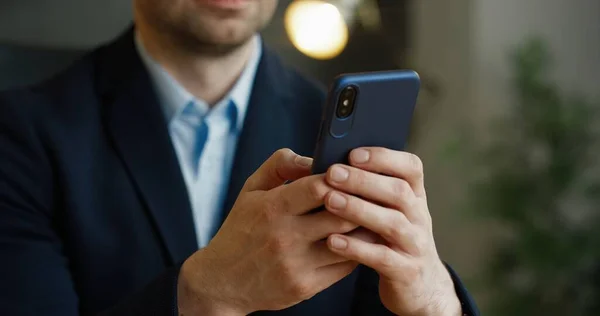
point(537, 180)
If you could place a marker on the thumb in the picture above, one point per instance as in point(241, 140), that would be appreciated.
point(284, 165)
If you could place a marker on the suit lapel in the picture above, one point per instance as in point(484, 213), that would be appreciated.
point(139, 131)
point(267, 126)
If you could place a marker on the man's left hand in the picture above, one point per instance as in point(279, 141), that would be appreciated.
point(383, 191)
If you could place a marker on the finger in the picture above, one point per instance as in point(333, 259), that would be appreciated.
point(391, 225)
point(300, 196)
point(282, 166)
point(379, 257)
point(317, 226)
point(319, 255)
point(385, 190)
point(365, 235)
point(392, 163)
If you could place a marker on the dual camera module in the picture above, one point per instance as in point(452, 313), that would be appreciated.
point(345, 104)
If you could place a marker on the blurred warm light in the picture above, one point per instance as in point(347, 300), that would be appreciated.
point(316, 28)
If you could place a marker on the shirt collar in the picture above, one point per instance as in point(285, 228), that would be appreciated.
point(173, 97)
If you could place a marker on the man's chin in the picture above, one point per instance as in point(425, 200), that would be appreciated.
point(217, 45)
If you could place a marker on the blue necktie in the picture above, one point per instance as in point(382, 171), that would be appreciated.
point(193, 117)
point(194, 121)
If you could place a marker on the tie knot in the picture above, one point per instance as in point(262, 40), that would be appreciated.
point(193, 113)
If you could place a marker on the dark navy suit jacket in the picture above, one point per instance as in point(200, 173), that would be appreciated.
point(94, 213)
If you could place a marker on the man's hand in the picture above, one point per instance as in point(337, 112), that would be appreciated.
point(269, 254)
point(383, 191)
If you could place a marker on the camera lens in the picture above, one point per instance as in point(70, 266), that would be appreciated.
point(345, 104)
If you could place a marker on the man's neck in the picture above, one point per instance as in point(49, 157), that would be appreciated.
point(207, 77)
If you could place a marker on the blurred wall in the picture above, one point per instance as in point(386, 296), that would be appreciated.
point(464, 45)
point(441, 48)
point(40, 37)
point(571, 27)
point(65, 24)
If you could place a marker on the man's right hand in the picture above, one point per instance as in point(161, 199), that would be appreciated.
point(269, 254)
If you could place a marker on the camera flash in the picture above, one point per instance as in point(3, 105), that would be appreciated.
point(345, 102)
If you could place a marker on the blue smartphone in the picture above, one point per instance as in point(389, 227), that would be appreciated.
point(365, 109)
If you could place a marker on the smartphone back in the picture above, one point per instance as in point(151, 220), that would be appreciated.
point(383, 107)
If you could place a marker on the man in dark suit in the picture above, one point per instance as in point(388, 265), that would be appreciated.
point(142, 181)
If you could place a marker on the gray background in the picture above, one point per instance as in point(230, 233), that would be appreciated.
point(38, 37)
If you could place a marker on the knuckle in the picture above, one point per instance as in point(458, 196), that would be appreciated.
point(279, 161)
point(423, 244)
point(287, 271)
point(395, 232)
point(251, 181)
point(317, 189)
point(280, 243)
point(428, 220)
point(282, 153)
point(420, 245)
point(397, 228)
point(400, 189)
point(387, 260)
point(283, 205)
point(415, 163)
point(301, 289)
point(270, 209)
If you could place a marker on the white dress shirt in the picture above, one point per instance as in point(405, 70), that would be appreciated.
point(207, 183)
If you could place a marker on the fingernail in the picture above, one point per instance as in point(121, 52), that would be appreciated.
point(303, 161)
point(338, 243)
point(337, 201)
point(360, 155)
point(338, 174)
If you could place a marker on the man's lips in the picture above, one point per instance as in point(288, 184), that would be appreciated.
point(226, 4)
